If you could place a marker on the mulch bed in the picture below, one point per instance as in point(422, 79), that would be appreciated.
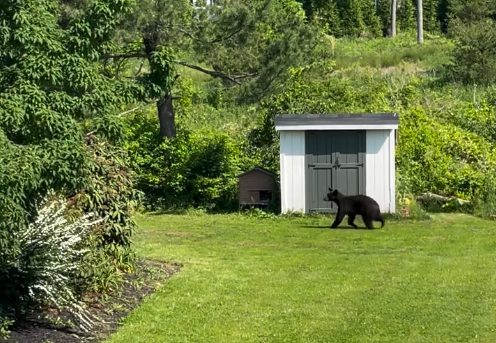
point(109, 312)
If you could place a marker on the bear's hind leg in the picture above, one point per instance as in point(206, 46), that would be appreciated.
point(368, 222)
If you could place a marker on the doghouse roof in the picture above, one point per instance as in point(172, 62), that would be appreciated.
point(344, 121)
point(263, 170)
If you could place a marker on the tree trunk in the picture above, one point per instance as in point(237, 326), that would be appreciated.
point(166, 117)
point(420, 22)
point(393, 18)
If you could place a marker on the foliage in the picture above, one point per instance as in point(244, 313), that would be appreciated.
point(431, 15)
point(442, 158)
point(406, 16)
point(474, 57)
point(353, 18)
point(52, 91)
point(49, 258)
point(384, 13)
point(195, 168)
point(242, 43)
point(472, 25)
point(111, 194)
point(328, 14)
point(305, 93)
point(472, 11)
point(475, 118)
point(358, 17)
point(5, 324)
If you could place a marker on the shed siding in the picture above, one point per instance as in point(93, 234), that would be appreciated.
point(379, 168)
point(292, 164)
point(254, 181)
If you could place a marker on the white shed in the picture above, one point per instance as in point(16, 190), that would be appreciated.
point(353, 153)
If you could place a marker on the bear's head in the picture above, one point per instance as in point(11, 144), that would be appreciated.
point(332, 195)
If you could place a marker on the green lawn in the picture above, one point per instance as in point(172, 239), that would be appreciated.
point(294, 280)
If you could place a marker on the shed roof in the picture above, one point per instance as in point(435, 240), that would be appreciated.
point(263, 170)
point(338, 119)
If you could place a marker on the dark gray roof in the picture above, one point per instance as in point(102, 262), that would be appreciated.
point(338, 119)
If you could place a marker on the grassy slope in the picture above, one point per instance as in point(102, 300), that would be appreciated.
point(397, 52)
point(292, 280)
point(395, 59)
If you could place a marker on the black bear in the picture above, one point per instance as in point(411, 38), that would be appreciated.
point(352, 205)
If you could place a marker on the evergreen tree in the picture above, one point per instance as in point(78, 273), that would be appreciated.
point(431, 23)
point(357, 17)
point(384, 15)
point(328, 13)
point(472, 25)
point(371, 20)
point(406, 15)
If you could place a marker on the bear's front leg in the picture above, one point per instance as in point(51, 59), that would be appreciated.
point(339, 219)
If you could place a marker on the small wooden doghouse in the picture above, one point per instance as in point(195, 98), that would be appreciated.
point(256, 187)
point(353, 153)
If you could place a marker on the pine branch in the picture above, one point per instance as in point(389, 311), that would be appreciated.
point(232, 78)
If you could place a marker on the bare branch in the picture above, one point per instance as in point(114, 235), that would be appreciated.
point(209, 72)
point(220, 39)
point(127, 112)
point(232, 78)
point(131, 110)
point(116, 57)
point(186, 32)
point(141, 67)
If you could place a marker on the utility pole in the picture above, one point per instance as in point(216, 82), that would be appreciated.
point(420, 23)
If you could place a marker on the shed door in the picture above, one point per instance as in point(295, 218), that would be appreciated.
point(334, 159)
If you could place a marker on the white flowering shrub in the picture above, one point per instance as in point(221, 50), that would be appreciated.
point(50, 255)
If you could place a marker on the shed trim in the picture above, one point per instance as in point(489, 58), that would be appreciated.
point(335, 127)
point(392, 172)
point(337, 119)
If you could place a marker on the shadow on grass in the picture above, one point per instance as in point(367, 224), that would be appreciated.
point(328, 227)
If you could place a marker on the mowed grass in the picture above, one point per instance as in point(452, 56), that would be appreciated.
point(294, 280)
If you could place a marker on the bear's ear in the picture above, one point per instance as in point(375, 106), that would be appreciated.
point(330, 189)
point(335, 191)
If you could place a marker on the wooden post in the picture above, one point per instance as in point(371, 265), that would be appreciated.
point(420, 22)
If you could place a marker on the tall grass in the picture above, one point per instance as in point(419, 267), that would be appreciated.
point(391, 52)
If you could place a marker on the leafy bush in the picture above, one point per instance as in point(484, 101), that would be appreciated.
point(442, 159)
point(476, 118)
point(5, 324)
point(42, 273)
point(110, 193)
point(51, 90)
point(192, 169)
